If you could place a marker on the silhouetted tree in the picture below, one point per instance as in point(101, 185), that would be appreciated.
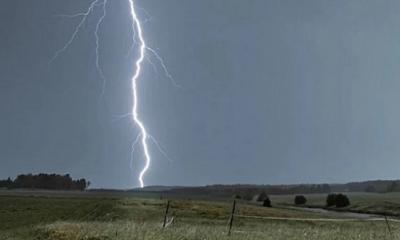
point(300, 199)
point(331, 200)
point(262, 197)
point(342, 200)
point(267, 202)
point(81, 184)
point(6, 183)
point(45, 181)
point(338, 200)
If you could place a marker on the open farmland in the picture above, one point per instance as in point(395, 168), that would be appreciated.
point(371, 203)
point(106, 216)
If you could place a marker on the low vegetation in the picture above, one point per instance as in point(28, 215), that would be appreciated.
point(247, 192)
point(267, 202)
point(300, 200)
point(337, 200)
point(262, 197)
point(97, 216)
point(369, 203)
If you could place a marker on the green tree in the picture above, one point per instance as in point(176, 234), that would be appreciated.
point(300, 200)
point(342, 200)
point(331, 200)
point(267, 202)
point(261, 197)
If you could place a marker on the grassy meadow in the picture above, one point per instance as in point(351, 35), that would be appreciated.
point(374, 203)
point(96, 216)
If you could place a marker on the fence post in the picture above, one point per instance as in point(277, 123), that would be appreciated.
point(388, 226)
point(165, 215)
point(232, 216)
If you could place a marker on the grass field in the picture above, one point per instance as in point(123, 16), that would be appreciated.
point(374, 203)
point(88, 216)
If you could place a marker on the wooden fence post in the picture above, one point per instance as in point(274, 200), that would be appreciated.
point(165, 215)
point(232, 216)
point(388, 226)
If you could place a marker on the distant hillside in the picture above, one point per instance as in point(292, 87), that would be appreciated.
point(379, 186)
point(249, 191)
point(157, 188)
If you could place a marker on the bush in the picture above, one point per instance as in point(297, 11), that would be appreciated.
point(338, 200)
point(267, 202)
point(262, 197)
point(331, 200)
point(342, 200)
point(300, 200)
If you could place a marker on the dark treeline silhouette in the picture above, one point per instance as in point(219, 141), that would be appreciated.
point(377, 186)
point(45, 181)
point(248, 192)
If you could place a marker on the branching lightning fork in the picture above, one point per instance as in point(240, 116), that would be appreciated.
point(138, 39)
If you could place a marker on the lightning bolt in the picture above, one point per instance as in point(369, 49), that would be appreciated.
point(96, 34)
point(84, 16)
point(138, 39)
point(163, 66)
point(136, 25)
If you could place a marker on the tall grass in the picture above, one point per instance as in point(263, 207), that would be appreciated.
point(75, 218)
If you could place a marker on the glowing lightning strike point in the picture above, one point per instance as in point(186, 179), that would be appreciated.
point(143, 132)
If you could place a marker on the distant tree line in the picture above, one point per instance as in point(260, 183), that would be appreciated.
point(376, 186)
point(250, 193)
point(247, 192)
point(45, 181)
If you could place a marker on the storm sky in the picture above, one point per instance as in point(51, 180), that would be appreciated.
point(273, 91)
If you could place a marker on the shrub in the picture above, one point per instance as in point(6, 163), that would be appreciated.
point(342, 200)
point(267, 202)
point(300, 199)
point(338, 200)
point(262, 197)
point(331, 200)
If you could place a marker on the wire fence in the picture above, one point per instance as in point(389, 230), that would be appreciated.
point(321, 219)
point(168, 219)
point(297, 219)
